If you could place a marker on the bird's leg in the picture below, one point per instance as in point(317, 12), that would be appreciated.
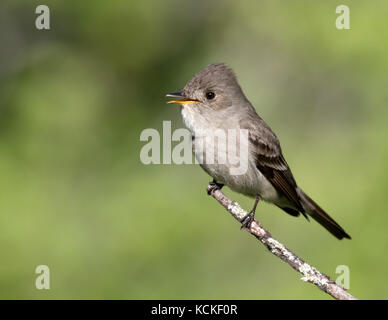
point(213, 186)
point(246, 223)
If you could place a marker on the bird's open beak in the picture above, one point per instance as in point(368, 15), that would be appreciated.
point(182, 101)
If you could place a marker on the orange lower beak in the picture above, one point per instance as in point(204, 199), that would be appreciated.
point(181, 101)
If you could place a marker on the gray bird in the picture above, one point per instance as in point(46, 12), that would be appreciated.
point(213, 100)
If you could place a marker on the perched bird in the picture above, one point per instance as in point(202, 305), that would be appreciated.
point(213, 100)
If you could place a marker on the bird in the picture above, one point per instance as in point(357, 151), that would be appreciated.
point(213, 100)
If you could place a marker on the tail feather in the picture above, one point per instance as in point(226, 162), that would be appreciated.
point(319, 215)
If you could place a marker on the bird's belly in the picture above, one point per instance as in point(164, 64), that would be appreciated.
point(251, 182)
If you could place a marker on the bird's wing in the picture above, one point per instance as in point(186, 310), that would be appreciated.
point(271, 163)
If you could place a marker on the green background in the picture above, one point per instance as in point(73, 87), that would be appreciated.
point(74, 195)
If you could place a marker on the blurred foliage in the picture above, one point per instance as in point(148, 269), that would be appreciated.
point(75, 196)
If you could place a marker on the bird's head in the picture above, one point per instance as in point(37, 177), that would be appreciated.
point(215, 87)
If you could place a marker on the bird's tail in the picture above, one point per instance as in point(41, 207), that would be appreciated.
point(319, 215)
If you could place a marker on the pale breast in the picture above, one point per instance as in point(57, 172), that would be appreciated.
point(250, 182)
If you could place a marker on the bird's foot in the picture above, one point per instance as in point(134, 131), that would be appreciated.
point(246, 223)
point(213, 186)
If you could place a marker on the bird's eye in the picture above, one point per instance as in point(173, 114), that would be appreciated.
point(210, 95)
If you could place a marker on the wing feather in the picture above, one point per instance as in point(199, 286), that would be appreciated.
point(271, 163)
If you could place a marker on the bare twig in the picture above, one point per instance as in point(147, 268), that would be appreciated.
point(310, 274)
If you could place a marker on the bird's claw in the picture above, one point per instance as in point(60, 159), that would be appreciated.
point(246, 223)
point(213, 186)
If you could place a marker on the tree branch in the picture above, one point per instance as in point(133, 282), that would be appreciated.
point(310, 274)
